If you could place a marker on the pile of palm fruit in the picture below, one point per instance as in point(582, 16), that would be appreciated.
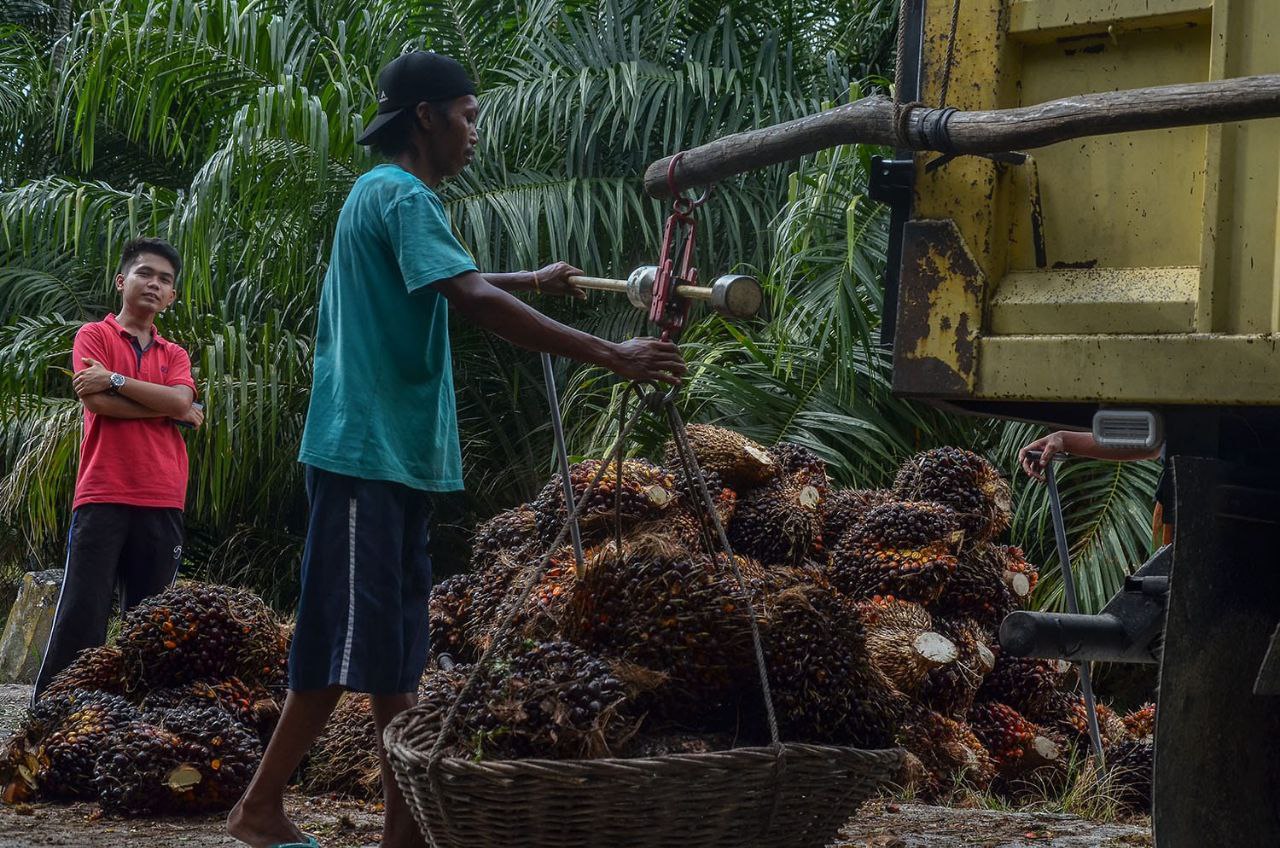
point(878, 611)
point(172, 718)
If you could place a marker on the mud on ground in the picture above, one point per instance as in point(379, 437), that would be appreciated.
point(342, 823)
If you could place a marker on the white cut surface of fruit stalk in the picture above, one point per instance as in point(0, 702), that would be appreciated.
point(758, 455)
point(1018, 583)
point(935, 648)
point(183, 777)
point(657, 495)
point(809, 497)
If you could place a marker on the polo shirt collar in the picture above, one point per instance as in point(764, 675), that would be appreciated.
point(111, 321)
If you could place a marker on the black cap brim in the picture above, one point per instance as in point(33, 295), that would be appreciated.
point(380, 120)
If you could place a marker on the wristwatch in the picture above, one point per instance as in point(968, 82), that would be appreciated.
point(117, 381)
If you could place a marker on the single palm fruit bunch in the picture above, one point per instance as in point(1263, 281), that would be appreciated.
point(843, 508)
point(951, 689)
point(24, 758)
point(979, 588)
point(448, 614)
point(904, 548)
point(901, 642)
point(660, 606)
point(952, 756)
point(1141, 723)
point(251, 706)
point(507, 531)
point(67, 754)
point(230, 753)
point(1028, 685)
point(643, 492)
point(687, 522)
point(547, 700)
point(98, 669)
point(802, 465)
point(1016, 745)
point(739, 462)
point(199, 631)
point(964, 481)
point(824, 687)
point(1064, 713)
point(143, 769)
point(778, 523)
point(344, 759)
point(1130, 772)
point(540, 613)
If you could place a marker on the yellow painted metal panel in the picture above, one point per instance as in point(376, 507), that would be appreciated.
point(1056, 18)
point(1096, 300)
point(1192, 368)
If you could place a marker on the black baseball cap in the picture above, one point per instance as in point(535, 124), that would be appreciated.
point(413, 78)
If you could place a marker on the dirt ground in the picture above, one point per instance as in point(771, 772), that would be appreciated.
point(340, 823)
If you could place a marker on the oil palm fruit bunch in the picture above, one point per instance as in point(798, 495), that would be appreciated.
point(685, 521)
point(824, 687)
point(1065, 714)
point(802, 465)
point(738, 461)
point(68, 753)
point(449, 612)
point(1017, 746)
point(344, 759)
point(903, 548)
point(778, 523)
point(144, 769)
point(548, 699)
point(657, 605)
point(1140, 723)
point(643, 492)
point(843, 508)
point(252, 707)
point(984, 588)
point(540, 612)
point(98, 669)
point(506, 531)
point(964, 481)
point(951, 689)
point(199, 631)
point(229, 754)
point(901, 642)
point(1130, 770)
point(949, 752)
point(1028, 685)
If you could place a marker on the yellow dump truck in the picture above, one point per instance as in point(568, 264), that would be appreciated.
point(1086, 233)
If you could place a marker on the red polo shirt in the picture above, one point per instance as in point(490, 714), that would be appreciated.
point(135, 461)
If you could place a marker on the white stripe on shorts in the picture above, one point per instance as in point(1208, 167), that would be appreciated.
point(351, 590)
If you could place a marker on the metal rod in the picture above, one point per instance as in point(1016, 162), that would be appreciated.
point(620, 286)
point(1073, 606)
point(557, 426)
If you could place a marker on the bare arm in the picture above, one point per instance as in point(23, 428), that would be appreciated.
point(552, 279)
point(510, 282)
point(1076, 444)
point(115, 406)
point(495, 310)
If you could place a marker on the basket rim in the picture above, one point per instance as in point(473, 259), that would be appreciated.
point(392, 739)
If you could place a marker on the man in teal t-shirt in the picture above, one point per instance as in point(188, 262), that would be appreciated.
point(382, 428)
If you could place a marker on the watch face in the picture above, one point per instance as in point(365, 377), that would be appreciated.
point(117, 380)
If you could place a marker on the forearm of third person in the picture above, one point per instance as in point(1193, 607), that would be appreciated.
point(115, 406)
point(493, 309)
point(1083, 444)
point(171, 401)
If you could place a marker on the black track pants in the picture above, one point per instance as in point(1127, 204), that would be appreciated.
point(135, 548)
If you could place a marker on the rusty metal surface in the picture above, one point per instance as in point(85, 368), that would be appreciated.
point(939, 312)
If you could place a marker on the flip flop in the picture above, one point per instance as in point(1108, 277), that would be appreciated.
point(310, 843)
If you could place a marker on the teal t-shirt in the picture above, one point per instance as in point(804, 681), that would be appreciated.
point(382, 400)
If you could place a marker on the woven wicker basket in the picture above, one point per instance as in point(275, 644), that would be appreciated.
point(792, 796)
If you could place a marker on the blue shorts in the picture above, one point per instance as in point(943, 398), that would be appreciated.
point(366, 581)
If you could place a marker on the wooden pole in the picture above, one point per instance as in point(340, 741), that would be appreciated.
point(876, 120)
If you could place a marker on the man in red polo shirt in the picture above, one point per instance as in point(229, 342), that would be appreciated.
point(126, 521)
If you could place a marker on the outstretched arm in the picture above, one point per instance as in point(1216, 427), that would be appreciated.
point(495, 310)
point(1076, 444)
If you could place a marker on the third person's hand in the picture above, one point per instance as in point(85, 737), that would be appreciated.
point(649, 359)
point(1047, 446)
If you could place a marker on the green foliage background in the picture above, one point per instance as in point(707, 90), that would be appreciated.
point(228, 126)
